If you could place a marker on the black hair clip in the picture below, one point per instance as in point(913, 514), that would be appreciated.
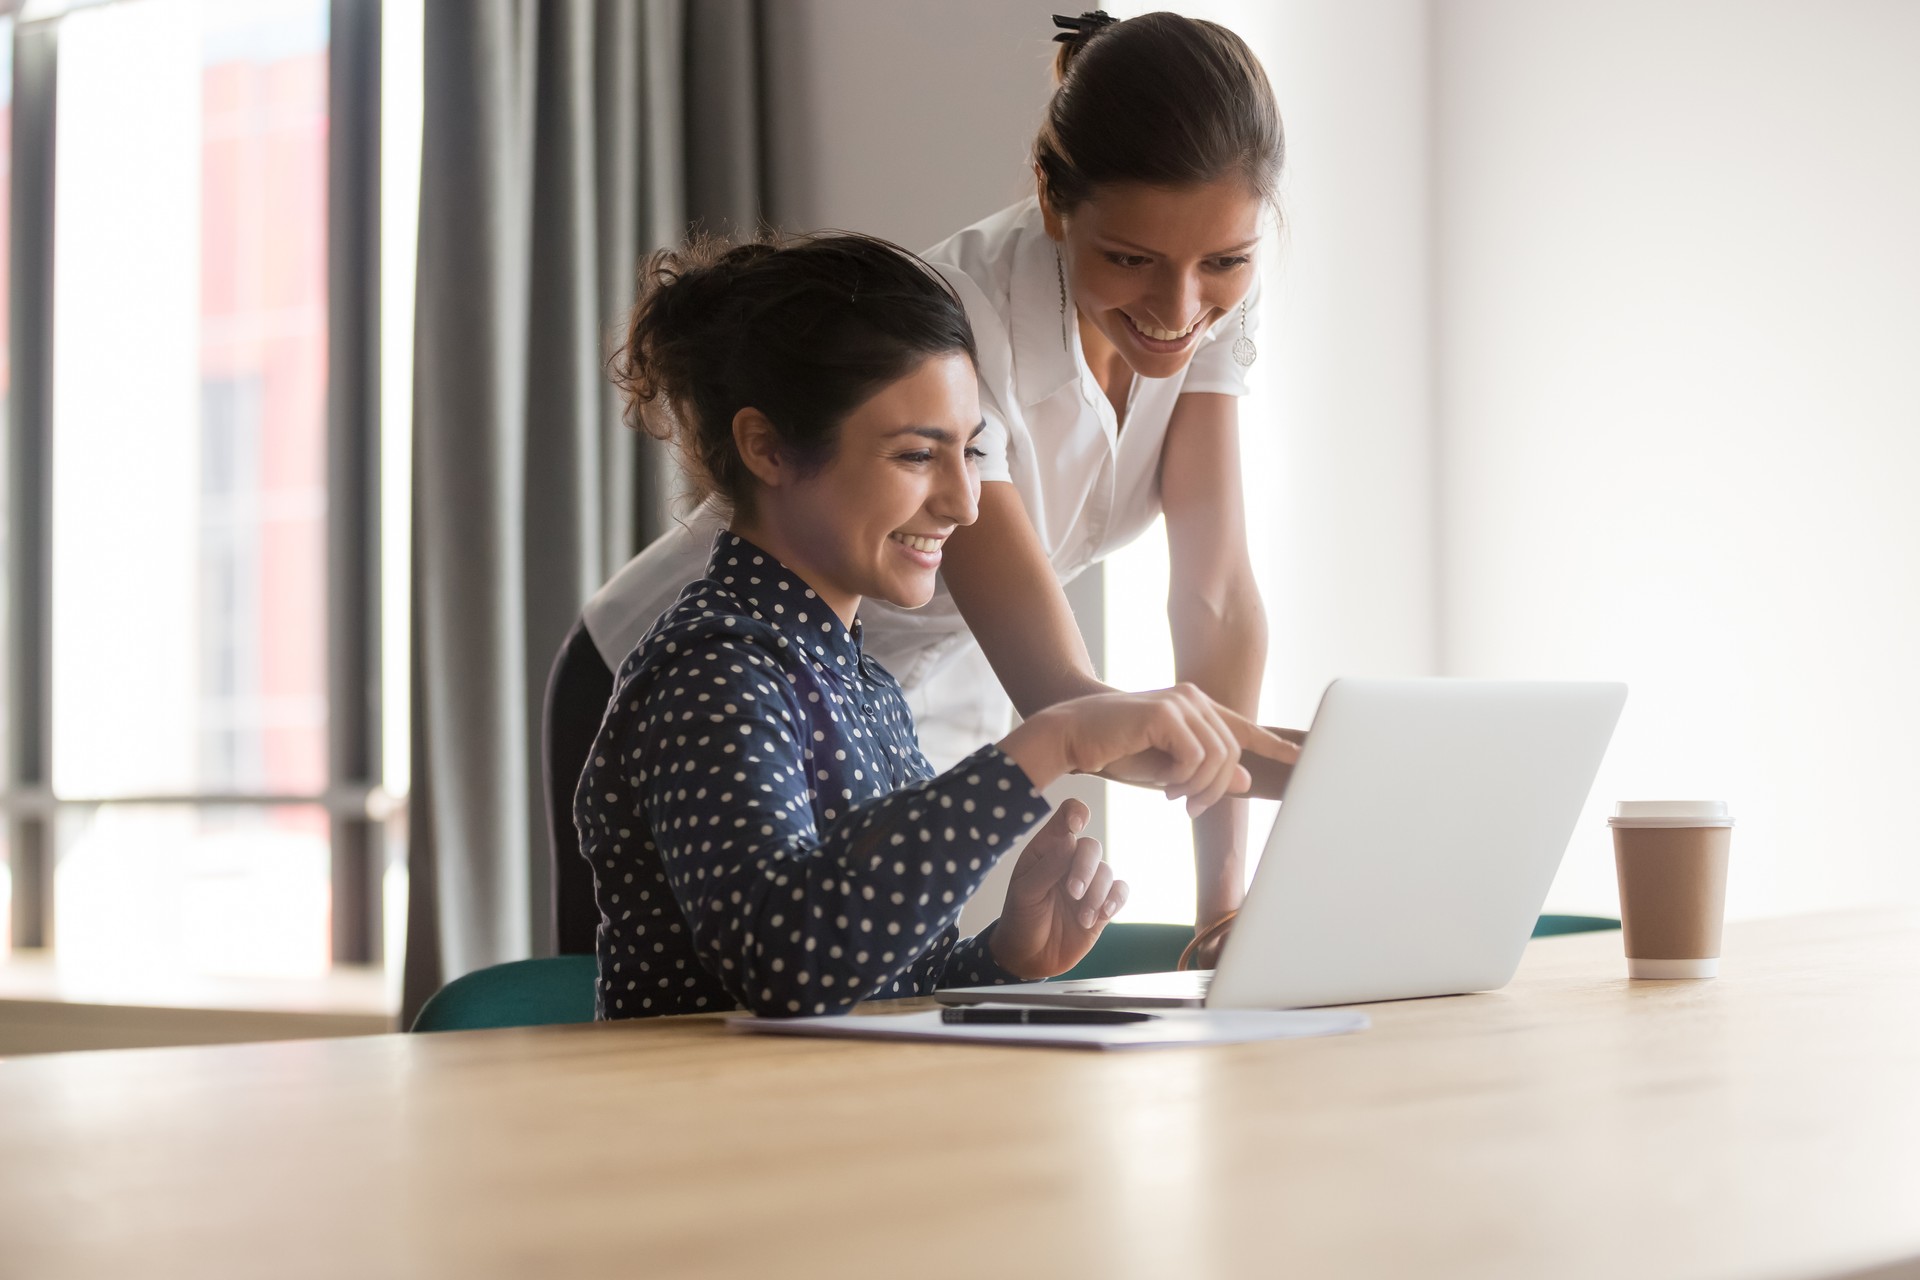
point(1075, 30)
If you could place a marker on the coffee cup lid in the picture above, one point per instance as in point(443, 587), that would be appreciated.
point(1670, 813)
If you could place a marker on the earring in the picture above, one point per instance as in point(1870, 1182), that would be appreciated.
point(1060, 274)
point(1244, 352)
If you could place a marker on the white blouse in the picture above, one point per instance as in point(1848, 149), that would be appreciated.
point(1089, 487)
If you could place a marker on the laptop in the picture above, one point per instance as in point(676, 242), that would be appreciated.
point(1420, 832)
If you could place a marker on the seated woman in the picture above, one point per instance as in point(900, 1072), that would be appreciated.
point(763, 829)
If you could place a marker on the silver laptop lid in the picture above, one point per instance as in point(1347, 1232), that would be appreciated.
point(1421, 831)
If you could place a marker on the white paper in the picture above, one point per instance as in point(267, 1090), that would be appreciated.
point(1169, 1028)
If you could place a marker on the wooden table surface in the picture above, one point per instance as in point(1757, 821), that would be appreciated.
point(1766, 1124)
point(49, 1007)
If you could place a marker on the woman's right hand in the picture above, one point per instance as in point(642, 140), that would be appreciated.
point(1269, 776)
point(1200, 741)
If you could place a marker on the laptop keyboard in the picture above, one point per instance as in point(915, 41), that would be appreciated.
point(1199, 982)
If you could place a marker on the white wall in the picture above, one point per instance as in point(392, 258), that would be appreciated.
point(907, 119)
point(1678, 341)
point(1338, 432)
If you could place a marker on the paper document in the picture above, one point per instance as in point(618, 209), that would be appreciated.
point(1168, 1029)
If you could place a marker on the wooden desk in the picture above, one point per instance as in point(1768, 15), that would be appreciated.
point(1763, 1125)
point(47, 1008)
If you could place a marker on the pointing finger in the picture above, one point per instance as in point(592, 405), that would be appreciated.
point(1261, 742)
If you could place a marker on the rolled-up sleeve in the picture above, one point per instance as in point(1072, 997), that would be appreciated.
point(1213, 368)
point(993, 443)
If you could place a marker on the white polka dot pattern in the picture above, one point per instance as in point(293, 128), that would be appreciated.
point(763, 829)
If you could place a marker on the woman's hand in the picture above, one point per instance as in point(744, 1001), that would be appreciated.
point(1060, 897)
point(1198, 742)
point(1269, 776)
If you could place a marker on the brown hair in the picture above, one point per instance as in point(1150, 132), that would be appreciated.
point(804, 329)
point(1160, 99)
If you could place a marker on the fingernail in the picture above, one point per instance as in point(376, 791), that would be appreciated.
point(1075, 888)
point(1086, 918)
point(1109, 909)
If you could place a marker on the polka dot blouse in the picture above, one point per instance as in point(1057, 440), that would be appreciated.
point(763, 829)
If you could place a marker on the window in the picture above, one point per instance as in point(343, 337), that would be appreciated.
point(189, 477)
point(197, 793)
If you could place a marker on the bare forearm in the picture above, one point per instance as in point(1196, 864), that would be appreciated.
point(1040, 662)
point(1219, 861)
point(1219, 628)
point(1224, 651)
point(1221, 646)
point(1040, 690)
point(1005, 587)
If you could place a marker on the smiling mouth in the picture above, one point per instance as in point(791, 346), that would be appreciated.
point(915, 542)
point(1168, 336)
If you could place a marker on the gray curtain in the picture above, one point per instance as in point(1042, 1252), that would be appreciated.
point(562, 140)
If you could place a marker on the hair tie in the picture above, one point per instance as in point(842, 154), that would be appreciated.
point(1078, 30)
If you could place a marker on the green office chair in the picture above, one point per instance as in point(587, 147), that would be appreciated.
point(1133, 948)
point(1554, 926)
point(1156, 948)
point(519, 993)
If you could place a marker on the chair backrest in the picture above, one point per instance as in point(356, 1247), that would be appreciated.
point(519, 993)
point(577, 691)
point(1133, 948)
point(1552, 926)
point(1155, 948)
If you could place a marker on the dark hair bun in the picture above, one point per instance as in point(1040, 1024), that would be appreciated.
point(804, 329)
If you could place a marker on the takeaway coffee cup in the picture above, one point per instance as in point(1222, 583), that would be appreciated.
point(1671, 856)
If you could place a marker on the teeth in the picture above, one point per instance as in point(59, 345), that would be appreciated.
point(917, 543)
point(1162, 335)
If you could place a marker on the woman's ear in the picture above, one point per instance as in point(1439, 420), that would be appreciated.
point(758, 441)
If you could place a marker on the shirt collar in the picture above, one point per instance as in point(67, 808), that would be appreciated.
point(777, 596)
point(1042, 361)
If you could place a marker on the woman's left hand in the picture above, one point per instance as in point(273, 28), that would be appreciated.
point(1060, 897)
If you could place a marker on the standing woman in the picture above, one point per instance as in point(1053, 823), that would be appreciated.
point(1114, 311)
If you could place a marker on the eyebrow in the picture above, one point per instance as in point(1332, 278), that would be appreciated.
point(938, 434)
point(1155, 253)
